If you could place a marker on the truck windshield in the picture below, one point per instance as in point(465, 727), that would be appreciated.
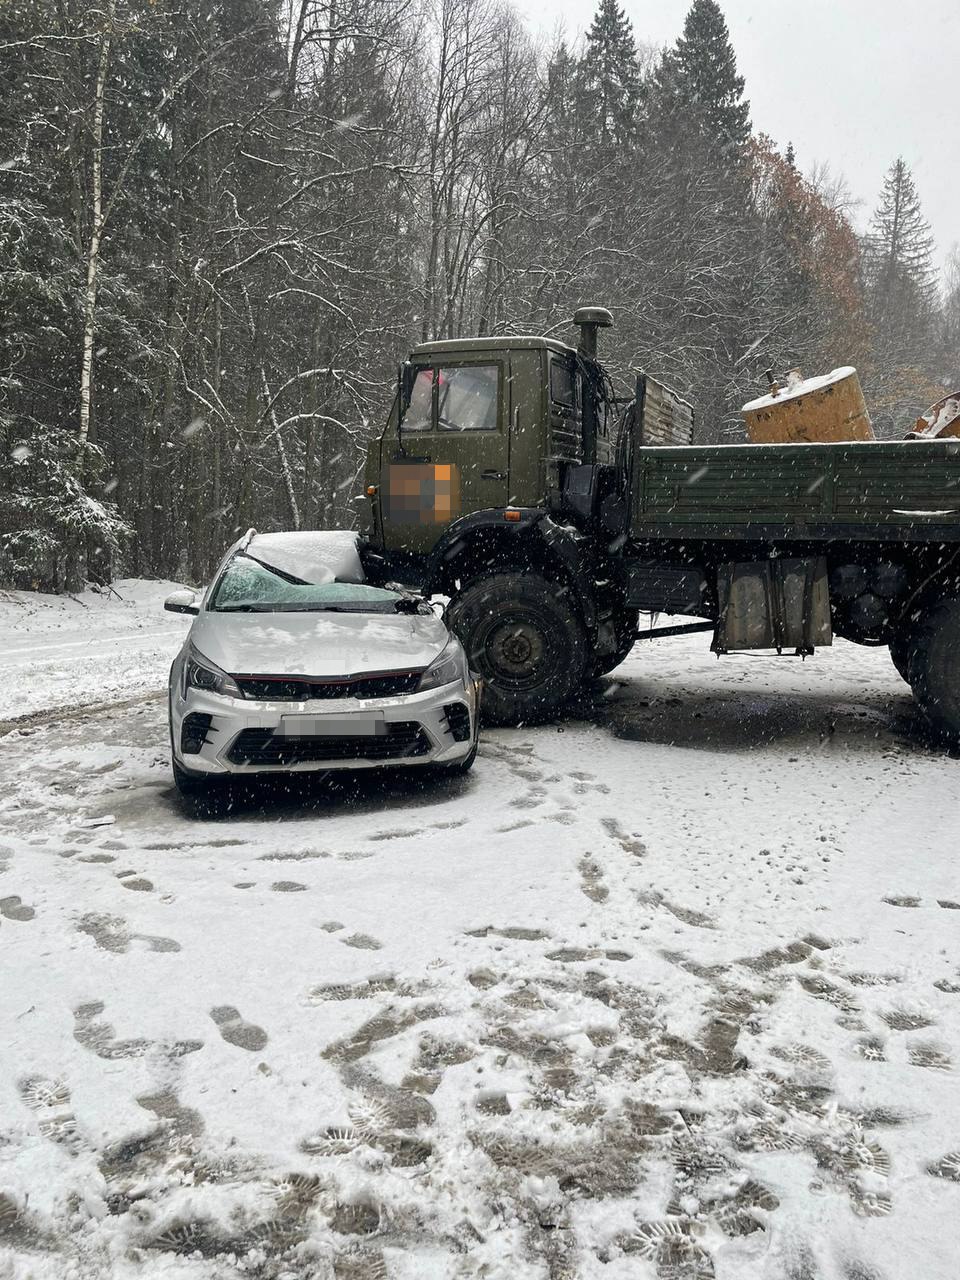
point(252, 586)
point(454, 398)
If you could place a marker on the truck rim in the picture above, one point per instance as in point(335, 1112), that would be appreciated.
point(515, 649)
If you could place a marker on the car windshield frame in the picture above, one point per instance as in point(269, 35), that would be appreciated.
point(366, 597)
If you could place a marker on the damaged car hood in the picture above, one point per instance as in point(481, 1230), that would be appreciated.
point(319, 644)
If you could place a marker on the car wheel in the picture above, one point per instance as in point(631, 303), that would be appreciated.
point(455, 768)
point(187, 783)
point(526, 642)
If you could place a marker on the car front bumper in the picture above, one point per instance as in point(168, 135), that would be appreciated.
point(215, 735)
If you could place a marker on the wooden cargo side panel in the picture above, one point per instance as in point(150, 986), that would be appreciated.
point(667, 417)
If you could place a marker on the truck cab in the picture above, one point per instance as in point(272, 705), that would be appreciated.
point(500, 481)
point(482, 425)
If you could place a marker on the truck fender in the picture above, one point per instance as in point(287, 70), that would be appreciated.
point(463, 534)
point(526, 534)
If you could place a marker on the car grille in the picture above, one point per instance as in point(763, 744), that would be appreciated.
point(403, 740)
point(384, 684)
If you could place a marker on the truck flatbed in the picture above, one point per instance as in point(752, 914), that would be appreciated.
point(906, 491)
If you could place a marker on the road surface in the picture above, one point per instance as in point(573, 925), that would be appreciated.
point(670, 988)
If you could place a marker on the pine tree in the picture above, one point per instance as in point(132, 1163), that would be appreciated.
point(700, 76)
point(950, 340)
point(901, 303)
point(697, 163)
point(610, 86)
point(899, 246)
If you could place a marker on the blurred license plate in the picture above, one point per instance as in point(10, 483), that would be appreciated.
point(332, 726)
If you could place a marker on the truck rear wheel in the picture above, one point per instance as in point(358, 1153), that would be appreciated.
point(525, 641)
point(901, 651)
point(934, 667)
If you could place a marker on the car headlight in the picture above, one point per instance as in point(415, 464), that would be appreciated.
point(200, 673)
point(449, 665)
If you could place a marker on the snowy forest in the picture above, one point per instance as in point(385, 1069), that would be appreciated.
point(223, 222)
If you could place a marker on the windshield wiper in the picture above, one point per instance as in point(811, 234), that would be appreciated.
point(281, 573)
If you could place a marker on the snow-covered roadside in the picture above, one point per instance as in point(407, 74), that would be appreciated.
point(62, 651)
point(669, 989)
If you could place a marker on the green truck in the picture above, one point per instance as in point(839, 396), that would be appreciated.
point(511, 480)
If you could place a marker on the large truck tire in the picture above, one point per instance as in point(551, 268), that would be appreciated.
point(626, 622)
point(526, 642)
point(934, 668)
point(902, 648)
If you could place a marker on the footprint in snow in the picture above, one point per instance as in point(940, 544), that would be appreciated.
point(629, 843)
point(288, 886)
point(166, 1106)
point(585, 782)
point(947, 1166)
point(906, 1019)
point(110, 933)
point(130, 880)
point(100, 1037)
point(362, 941)
point(591, 880)
point(13, 908)
point(51, 1100)
point(236, 1031)
point(931, 1055)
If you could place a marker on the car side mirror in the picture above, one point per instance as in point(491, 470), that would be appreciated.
point(181, 602)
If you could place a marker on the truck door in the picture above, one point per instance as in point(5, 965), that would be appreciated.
point(452, 455)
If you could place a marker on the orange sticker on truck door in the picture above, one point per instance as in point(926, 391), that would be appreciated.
point(423, 493)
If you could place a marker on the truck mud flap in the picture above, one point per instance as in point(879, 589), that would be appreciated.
point(773, 604)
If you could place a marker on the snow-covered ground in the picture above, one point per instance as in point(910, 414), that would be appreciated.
point(60, 651)
point(669, 989)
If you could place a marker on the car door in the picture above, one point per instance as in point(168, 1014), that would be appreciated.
point(452, 456)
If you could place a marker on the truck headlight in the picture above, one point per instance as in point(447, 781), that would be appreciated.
point(449, 665)
point(200, 673)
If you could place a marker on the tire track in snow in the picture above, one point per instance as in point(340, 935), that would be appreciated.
point(37, 719)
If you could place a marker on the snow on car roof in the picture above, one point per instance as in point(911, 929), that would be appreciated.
point(317, 556)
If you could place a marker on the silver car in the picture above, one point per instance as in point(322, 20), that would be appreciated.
point(296, 663)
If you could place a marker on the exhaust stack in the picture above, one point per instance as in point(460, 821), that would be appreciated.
point(589, 320)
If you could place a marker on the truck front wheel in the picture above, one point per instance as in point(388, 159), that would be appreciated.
point(526, 642)
point(626, 622)
point(934, 667)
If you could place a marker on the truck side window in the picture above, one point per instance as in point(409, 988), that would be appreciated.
point(467, 397)
point(563, 387)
